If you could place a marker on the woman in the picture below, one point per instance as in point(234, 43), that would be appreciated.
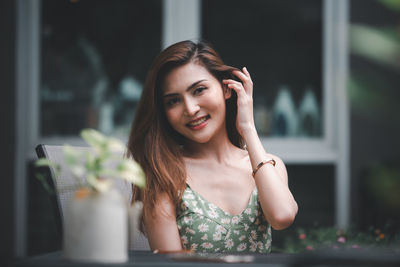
point(192, 122)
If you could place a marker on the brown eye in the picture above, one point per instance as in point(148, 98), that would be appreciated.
point(172, 101)
point(199, 90)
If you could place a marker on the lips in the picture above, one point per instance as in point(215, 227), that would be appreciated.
point(198, 123)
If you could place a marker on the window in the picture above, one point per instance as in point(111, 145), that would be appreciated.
point(94, 59)
point(280, 42)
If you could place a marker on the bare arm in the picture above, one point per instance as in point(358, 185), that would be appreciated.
point(276, 200)
point(162, 230)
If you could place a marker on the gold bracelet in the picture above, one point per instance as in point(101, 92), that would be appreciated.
point(262, 163)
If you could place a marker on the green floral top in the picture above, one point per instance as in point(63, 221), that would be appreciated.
point(204, 227)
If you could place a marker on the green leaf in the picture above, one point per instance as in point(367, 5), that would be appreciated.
point(105, 160)
point(94, 138)
point(43, 162)
point(116, 146)
point(91, 180)
point(78, 171)
point(138, 180)
point(132, 172)
point(108, 173)
point(72, 156)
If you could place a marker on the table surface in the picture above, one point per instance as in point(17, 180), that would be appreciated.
point(359, 257)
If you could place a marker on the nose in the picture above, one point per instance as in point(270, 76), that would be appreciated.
point(191, 107)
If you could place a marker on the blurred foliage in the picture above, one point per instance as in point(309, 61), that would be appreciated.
point(373, 81)
point(372, 96)
point(333, 238)
point(383, 182)
point(363, 93)
point(391, 4)
point(381, 45)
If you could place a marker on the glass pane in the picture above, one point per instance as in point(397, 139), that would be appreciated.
point(94, 60)
point(280, 43)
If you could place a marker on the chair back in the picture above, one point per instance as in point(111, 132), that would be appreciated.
point(64, 185)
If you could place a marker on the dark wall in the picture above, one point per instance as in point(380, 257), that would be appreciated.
point(7, 133)
point(375, 124)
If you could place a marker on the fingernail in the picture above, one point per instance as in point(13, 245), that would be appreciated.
point(245, 68)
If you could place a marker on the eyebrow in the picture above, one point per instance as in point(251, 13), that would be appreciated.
point(187, 89)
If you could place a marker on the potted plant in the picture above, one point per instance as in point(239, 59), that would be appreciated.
point(96, 219)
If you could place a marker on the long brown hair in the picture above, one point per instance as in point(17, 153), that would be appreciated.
point(153, 143)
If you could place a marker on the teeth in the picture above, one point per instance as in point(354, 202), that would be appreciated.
point(198, 122)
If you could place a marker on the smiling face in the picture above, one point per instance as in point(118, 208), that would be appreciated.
point(194, 102)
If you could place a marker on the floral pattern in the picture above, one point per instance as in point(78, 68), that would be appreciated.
point(204, 227)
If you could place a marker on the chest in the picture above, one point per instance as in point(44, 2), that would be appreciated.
point(229, 188)
point(206, 228)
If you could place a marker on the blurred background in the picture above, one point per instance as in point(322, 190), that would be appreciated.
point(326, 75)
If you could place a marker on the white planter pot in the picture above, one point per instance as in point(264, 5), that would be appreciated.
point(96, 228)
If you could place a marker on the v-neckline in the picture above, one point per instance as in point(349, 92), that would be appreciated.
point(225, 212)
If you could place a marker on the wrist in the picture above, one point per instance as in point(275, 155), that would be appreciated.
point(248, 131)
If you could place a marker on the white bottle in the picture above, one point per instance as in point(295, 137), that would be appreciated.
point(284, 117)
point(309, 115)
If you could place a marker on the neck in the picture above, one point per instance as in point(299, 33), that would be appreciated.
point(218, 149)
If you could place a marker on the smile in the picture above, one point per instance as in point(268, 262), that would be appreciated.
point(198, 123)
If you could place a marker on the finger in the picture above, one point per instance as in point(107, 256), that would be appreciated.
point(246, 79)
point(239, 89)
point(229, 81)
point(247, 89)
point(246, 72)
point(243, 77)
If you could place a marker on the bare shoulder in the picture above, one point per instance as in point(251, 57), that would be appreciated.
point(280, 166)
